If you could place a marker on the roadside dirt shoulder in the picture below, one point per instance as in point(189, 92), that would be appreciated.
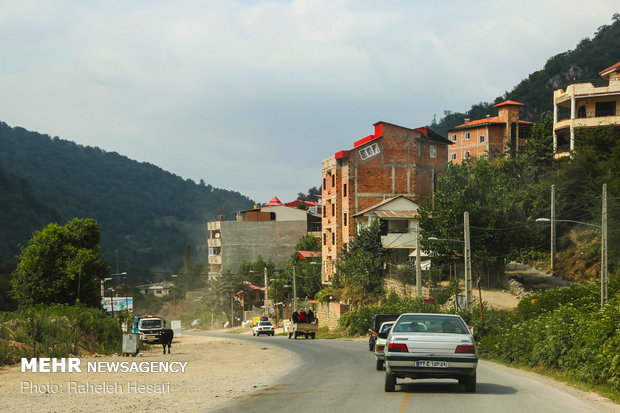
point(217, 370)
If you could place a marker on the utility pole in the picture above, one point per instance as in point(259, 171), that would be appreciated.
point(294, 291)
point(418, 264)
point(232, 314)
point(266, 292)
point(552, 230)
point(604, 248)
point(468, 283)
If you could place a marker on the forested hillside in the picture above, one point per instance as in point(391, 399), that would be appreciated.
point(146, 213)
point(536, 92)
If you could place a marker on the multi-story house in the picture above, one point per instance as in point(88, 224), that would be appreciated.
point(585, 105)
point(478, 138)
point(395, 160)
point(398, 218)
point(270, 231)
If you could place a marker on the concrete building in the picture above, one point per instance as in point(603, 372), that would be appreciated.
point(585, 105)
point(398, 217)
point(271, 231)
point(395, 160)
point(478, 138)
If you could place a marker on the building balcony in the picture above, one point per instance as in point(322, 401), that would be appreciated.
point(585, 89)
point(214, 225)
point(215, 260)
point(593, 121)
point(214, 242)
point(398, 240)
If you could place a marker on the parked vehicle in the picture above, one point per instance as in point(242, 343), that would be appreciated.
point(303, 329)
point(263, 327)
point(430, 346)
point(380, 343)
point(149, 327)
point(375, 324)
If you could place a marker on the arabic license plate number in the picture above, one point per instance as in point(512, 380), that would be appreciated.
point(429, 363)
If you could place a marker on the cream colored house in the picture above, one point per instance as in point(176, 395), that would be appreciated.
point(591, 104)
point(398, 218)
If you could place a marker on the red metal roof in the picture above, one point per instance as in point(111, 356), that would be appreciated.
point(274, 201)
point(341, 154)
point(365, 140)
point(494, 120)
point(308, 254)
point(508, 102)
point(297, 202)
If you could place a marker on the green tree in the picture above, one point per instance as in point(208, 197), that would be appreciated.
point(59, 265)
point(360, 267)
point(490, 192)
point(307, 271)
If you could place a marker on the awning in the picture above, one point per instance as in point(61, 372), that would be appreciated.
point(397, 214)
point(308, 254)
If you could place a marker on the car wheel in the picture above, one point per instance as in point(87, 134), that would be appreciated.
point(295, 336)
point(470, 383)
point(290, 335)
point(313, 335)
point(390, 383)
point(379, 364)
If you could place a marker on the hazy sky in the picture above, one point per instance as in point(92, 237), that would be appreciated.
point(252, 95)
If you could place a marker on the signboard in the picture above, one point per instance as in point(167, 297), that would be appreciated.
point(175, 325)
point(119, 304)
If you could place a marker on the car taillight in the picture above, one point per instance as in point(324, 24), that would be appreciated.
point(465, 349)
point(380, 348)
point(398, 347)
point(260, 328)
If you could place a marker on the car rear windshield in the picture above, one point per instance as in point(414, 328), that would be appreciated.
point(429, 323)
point(386, 328)
point(265, 323)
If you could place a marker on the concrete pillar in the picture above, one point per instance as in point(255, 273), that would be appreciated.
point(555, 120)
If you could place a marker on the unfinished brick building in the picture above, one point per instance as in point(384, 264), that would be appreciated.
point(393, 161)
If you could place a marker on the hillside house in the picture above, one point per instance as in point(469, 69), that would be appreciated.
point(497, 134)
point(585, 105)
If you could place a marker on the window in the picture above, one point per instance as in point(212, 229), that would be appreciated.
point(369, 151)
point(581, 112)
point(333, 181)
point(605, 109)
point(453, 157)
point(333, 238)
point(433, 151)
point(344, 246)
point(466, 136)
point(344, 190)
point(453, 137)
point(481, 138)
point(344, 219)
point(324, 183)
point(466, 155)
point(324, 239)
point(325, 212)
point(333, 210)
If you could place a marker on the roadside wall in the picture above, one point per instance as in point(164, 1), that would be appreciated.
point(329, 314)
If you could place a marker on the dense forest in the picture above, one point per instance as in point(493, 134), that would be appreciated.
point(147, 214)
point(583, 63)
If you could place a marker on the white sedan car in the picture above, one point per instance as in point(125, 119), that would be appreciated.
point(263, 327)
point(430, 346)
point(380, 343)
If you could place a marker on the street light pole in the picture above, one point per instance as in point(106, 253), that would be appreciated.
point(604, 248)
point(294, 290)
point(552, 230)
point(418, 265)
point(468, 282)
point(266, 292)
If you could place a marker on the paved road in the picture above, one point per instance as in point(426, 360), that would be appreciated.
point(340, 376)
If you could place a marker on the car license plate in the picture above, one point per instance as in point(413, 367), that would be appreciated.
point(430, 363)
